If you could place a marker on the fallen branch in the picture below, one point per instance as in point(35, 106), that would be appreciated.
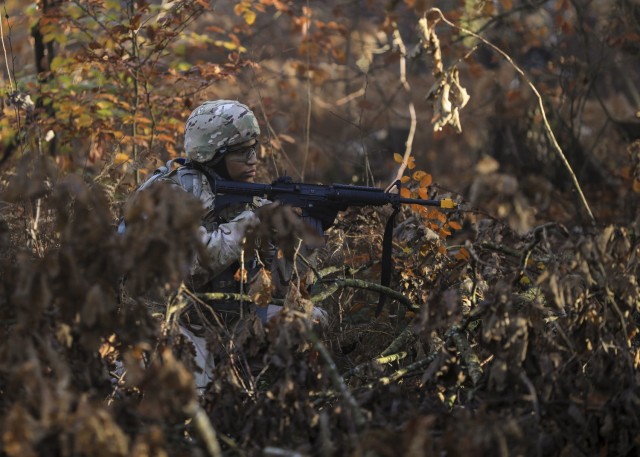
point(360, 284)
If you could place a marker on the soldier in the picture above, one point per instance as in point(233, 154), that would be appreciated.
point(220, 142)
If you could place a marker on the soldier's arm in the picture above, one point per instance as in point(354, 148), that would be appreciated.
point(223, 244)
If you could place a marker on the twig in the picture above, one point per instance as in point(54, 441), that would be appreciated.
point(223, 296)
point(4, 49)
point(403, 338)
point(204, 427)
point(355, 371)
point(307, 135)
point(500, 248)
point(406, 370)
point(324, 294)
point(397, 41)
point(538, 233)
point(526, 79)
point(392, 350)
point(470, 358)
point(532, 391)
point(346, 270)
point(337, 380)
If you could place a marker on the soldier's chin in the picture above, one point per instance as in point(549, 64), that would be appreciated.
point(248, 177)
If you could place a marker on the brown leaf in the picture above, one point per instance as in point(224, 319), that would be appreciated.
point(260, 288)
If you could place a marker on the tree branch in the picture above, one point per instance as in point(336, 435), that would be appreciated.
point(526, 79)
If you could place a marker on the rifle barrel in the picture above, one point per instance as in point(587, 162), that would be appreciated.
point(343, 194)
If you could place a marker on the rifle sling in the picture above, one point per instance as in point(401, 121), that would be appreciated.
point(387, 260)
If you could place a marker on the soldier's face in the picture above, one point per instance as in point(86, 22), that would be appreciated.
point(241, 165)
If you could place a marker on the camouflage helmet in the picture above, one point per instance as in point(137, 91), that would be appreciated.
point(216, 125)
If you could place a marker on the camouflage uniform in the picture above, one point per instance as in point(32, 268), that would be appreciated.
point(212, 130)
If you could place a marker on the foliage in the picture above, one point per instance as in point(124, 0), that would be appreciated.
point(507, 320)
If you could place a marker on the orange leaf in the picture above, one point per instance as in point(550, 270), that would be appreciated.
point(412, 163)
point(418, 175)
point(433, 214)
point(426, 180)
point(397, 158)
point(455, 225)
point(240, 273)
point(404, 192)
point(636, 185)
point(463, 254)
point(422, 192)
point(404, 179)
point(166, 138)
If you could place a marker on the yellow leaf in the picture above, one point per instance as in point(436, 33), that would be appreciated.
point(447, 203)
point(397, 158)
point(250, 17)
point(121, 158)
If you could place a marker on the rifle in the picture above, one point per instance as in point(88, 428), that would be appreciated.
point(321, 203)
point(317, 201)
